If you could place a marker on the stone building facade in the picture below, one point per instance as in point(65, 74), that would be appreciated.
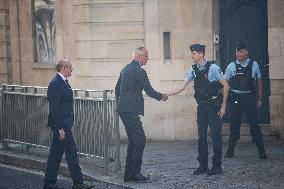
point(100, 35)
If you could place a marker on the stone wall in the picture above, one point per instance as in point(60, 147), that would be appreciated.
point(176, 118)
point(105, 33)
point(25, 70)
point(276, 63)
point(4, 41)
point(99, 36)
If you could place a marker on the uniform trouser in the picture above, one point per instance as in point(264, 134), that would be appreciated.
point(247, 103)
point(208, 115)
point(57, 148)
point(136, 142)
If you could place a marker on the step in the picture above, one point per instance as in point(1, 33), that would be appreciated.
point(267, 132)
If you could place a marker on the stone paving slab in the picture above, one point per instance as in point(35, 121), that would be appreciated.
point(170, 165)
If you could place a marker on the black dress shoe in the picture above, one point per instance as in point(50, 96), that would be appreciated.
point(215, 171)
point(138, 177)
point(201, 170)
point(50, 186)
point(82, 186)
point(230, 152)
point(262, 154)
point(127, 178)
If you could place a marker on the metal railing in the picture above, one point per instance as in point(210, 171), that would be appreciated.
point(24, 113)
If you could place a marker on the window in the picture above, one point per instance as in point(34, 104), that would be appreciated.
point(44, 31)
point(167, 45)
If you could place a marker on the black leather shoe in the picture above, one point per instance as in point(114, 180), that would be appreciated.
point(138, 177)
point(127, 178)
point(215, 171)
point(82, 186)
point(261, 152)
point(230, 151)
point(201, 170)
point(50, 186)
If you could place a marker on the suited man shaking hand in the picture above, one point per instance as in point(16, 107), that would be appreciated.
point(60, 120)
point(132, 81)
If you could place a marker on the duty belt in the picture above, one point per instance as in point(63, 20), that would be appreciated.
point(206, 101)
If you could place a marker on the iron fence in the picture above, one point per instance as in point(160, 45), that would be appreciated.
point(24, 113)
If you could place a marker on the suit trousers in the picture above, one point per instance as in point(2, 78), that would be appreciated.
point(136, 142)
point(247, 103)
point(57, 148)
point(207, 114)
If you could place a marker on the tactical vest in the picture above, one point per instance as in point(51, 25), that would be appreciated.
point(243, 79)
point(205, 90)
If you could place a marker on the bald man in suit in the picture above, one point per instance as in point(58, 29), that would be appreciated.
point(132, 81)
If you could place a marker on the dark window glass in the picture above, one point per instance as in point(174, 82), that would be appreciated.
point(167, 45)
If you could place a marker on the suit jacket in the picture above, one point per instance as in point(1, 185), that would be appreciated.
point(60, 98)
point(128, 90)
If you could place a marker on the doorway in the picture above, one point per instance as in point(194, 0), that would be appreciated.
point(246, 21)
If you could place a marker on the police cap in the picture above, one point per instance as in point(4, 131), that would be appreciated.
point(197, 48)
point(241, 45)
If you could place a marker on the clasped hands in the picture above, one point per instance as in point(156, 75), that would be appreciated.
point(164, 97)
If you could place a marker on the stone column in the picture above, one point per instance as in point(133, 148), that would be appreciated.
point(276, 64)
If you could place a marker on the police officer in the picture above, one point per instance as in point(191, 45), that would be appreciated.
point(208, 81)
point(244, 78)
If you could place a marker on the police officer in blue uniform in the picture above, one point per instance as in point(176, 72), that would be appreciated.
point(244, 78)
point(208, 84)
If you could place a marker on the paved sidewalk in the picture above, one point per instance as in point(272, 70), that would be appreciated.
point(170, 165)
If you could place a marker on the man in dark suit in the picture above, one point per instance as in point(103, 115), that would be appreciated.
point(128, 91)
point(60, 120)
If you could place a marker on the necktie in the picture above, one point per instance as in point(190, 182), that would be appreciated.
point(66, 81)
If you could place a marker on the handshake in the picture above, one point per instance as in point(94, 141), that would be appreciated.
point(164, 97)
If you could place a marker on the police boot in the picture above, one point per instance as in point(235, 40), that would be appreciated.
point(201, 170)
point(261, 152)
point(215, 170)
point(230, 151)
